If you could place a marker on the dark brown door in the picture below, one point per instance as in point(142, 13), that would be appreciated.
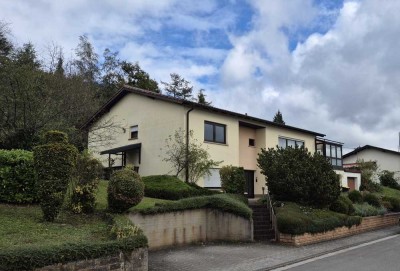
point(351, 183)
point(249, 175)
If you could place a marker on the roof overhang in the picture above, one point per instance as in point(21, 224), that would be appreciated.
point(122, 149)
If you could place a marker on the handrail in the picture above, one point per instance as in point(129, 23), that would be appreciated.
point(272, 215)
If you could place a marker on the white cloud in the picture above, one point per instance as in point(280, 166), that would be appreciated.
point(344, 82)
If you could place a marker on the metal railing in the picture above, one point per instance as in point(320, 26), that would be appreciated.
point(272, 215)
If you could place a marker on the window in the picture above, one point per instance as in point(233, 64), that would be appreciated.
point(134, 132)
point(213, 180)
point(287, 142)
point(214, 132)
point(252, 142)
point(334, 154)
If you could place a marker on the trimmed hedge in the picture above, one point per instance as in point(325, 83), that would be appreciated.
point(171, 188)
point(221, 202)
point(17, 177)
point(296, 219)
point(35, 257)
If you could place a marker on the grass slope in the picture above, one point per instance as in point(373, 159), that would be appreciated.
point(23, 226)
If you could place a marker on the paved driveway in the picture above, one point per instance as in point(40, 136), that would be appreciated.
point(249, 256)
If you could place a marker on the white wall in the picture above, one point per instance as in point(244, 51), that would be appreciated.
point(385, 160)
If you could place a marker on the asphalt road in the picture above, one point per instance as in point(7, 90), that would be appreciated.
point(382, 255)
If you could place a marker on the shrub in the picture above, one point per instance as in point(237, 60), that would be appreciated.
point(29, 258)
point(342, 205)
point(125, 190)
point(122, 228)
point(296, 219)
point(171, 188)
point(387, 205)
point(17, 177)
point(54, 163)
point(387, 179)
point(365, 210)
point(394, 203)
point(372, 199)
point(232, 179)
point(294, 174)
point(88, 171)
point(221, 202)
point(355, 196)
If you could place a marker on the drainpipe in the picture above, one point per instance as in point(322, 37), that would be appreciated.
point(187, 144)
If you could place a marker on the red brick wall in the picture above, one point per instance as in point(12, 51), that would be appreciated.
point(367, 224)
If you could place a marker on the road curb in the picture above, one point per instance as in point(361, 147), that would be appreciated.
point(322, 253)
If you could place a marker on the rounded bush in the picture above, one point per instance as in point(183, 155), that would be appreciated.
point(372, 199)
point(355, 196)
point(125, 190)
point(342, 205)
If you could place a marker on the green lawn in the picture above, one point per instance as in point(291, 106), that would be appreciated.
point(24, 226)
point(389, 192)
point(101, 198)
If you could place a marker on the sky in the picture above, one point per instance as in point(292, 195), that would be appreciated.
point(329, 66)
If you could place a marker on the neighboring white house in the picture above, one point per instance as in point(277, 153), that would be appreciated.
point(385, 159)
point(143, 120)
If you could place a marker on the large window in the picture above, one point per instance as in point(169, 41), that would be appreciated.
point(288, 142)
point(334, 153)
point(214, 132)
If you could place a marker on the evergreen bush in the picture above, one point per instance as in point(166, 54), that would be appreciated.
point(372, 199)
point(125, 190)
point(342, 205)
point(232, 179)
point(394, 203)
point(387, 179)
point(355, 196)
point(17, 177)
point(294, 174)
point(83, 195)
point(54, 164)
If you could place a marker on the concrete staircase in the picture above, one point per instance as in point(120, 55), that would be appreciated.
point(263, 230)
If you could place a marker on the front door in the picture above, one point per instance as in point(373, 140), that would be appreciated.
point(249, 175)
point(351, 183)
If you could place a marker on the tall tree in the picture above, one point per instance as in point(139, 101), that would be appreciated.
point(278, 118)
point(136, 77)
point(5, 45)
point(178, 87)
point(201, 98)
point(87, 60)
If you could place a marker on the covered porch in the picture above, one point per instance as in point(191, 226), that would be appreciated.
point(121, 156)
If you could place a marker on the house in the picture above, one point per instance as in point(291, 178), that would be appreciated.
point(146, 119)
point(385, 159)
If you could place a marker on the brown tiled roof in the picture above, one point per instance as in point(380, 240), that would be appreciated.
point(128, 89)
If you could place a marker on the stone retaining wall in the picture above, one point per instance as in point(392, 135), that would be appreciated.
point(190, 226)
point(136, 260)
point(367, 224)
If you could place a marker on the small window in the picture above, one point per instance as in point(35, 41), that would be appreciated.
point(134, 132)
point(214, 132)
point(252, 142)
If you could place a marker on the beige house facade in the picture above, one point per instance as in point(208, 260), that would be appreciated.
point(143, 120)
point(384, 158)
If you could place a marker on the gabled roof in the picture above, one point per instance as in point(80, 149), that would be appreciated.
point(128, 89)
point(366, 147)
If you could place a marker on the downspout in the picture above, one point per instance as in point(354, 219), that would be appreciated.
point(187, 145)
